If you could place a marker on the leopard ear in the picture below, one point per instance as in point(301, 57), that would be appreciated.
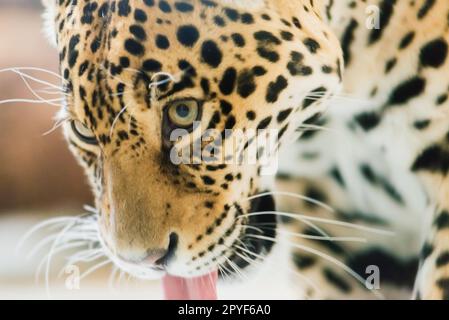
point(49, 17)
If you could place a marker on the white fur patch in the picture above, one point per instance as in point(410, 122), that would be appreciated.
point(49, 15)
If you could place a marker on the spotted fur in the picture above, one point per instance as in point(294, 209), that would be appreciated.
point(264, 64)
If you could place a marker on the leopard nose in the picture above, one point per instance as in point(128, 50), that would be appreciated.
point(161, 258)
point(153, 257)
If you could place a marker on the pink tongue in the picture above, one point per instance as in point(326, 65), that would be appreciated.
point(200, 288)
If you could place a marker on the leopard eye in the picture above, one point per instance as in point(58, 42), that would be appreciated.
point(183, 113)
point(83, 132)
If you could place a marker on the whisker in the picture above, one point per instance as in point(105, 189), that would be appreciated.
point(116, 119)
point(112, 278)
point(323, 220)
point(56, 126)
point(32, 69)
point(327, 258)
point(42, 225)
point(51, 254)
point(43, 261)
point(288, 269)
point(310, 237)
point(311, 127)
point(95, 268)
point(74, 261)
point(31, 101)
point(16, 71)
point(294, 195)
point(35, 94)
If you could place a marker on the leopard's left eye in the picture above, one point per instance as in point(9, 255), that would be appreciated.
point(183, 113)
point(83, 132)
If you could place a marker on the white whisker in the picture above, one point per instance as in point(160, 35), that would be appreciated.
point(289, 269)
point(294, 195)
point(31, 101)
point(317, 219)
point(327, 258)
point(32, 69)
point(116, 119)
point(95, 268)
point(42, 225)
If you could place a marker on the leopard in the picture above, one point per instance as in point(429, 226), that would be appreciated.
point(356, 91)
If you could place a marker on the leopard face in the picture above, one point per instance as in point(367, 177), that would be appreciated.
point(136, 71)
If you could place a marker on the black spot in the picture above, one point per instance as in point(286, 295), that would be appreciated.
point(442, 221)
point(442, 99)
point(406, 40)
point(140, 15)
point(134, 47)
point(164, 6)
point(205, 85)
point(444, 285)
point(336, 175)
point(245, 83)
point(434, 53)
point(88, 11)
point(390, 65)
point(232, 14)
point(433, 159)
point(152, 65)
point(247, 18)
point(251, 115)
point(73, 53)
point(183, 7)
point(426, 251)
point(238, 39)
point(296, 66)
point(275, 88)
point(219, 21)
point(287, 36)
point(297, 23)
point(407, 90)
point(302, 261)
point(282, 115)
point(230, 123)
point(443, 259)
point(428, 4)
point(421, 124)
point(267, 37)
point(188, 35)
point(311, 45)
point(269, 55)
point(208, 180)
point(225, 107)
point(347, 39)
point(264, 123)
point(162, 42)
point(123, 8)
point(187, 68)
point(368, 120)
point(138, 32)
point(227, 83)
point(124, 62)
point(386, 12)
point(211, 54)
